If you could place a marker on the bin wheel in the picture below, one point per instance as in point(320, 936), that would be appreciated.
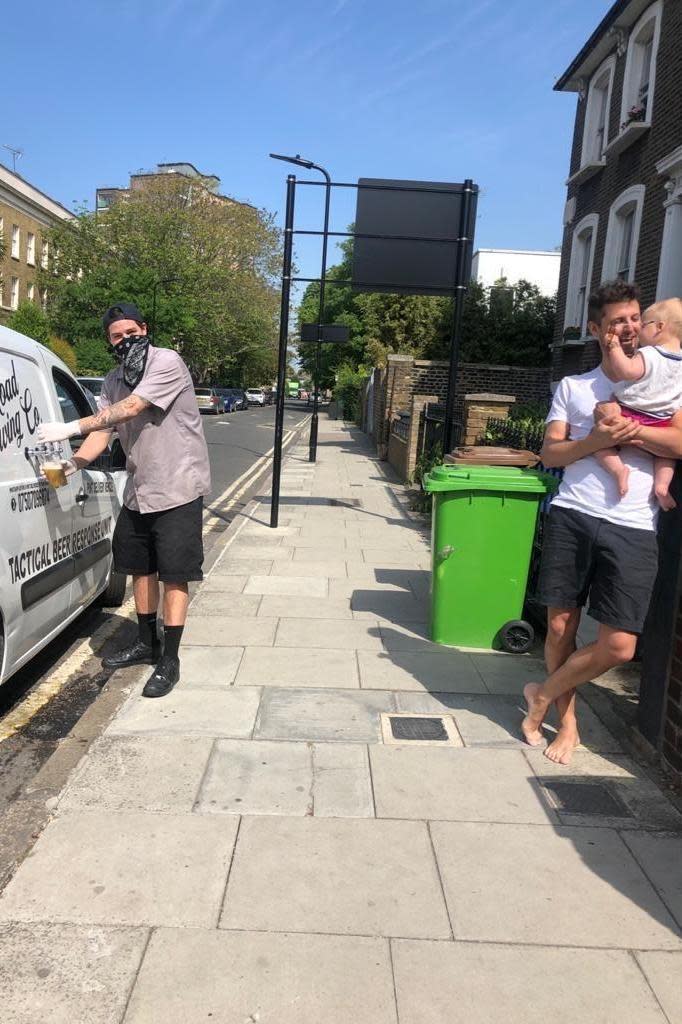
point(517, 636)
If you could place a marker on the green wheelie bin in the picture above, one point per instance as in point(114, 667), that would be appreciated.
point(482, 529)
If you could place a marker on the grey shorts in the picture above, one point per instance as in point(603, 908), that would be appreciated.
point(615, 567)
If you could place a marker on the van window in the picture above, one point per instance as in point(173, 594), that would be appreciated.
point(73, 404)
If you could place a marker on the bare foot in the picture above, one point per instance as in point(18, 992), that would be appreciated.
point(561, 749)
point(622, 479)
point(531, 726)
point(665, 500)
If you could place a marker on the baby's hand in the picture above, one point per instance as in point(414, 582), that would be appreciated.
point(611, 339)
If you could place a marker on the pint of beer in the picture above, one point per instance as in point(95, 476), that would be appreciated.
point(54, 472)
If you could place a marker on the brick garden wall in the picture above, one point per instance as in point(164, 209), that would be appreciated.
point(405, 377)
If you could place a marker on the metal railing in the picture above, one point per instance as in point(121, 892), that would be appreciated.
point(513, 434)
point(400, 427)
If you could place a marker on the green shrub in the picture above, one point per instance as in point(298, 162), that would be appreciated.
point(348, 389)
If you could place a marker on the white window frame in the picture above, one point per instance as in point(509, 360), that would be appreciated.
point(16, 241)
point(633, 196)
point(588, 223)
point(31, 291)
point(14, 293)
point(589, 154)
point(633, 63)
point(44, 253)
point(30, 248)
point(670, 266)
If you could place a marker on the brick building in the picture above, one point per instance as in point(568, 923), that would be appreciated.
point(196, 182)
point(623, 215)
point(25, 214)
point(623, 218)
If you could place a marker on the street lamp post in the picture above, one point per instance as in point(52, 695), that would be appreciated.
point(302, 162)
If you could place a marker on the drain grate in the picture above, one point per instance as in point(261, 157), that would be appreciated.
point(423, 729)
point(588, 798)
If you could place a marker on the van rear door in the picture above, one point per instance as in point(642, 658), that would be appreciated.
point(36, 572)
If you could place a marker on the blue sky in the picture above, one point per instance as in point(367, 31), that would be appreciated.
point(435, 90)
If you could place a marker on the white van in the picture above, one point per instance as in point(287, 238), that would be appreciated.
point(55, 544)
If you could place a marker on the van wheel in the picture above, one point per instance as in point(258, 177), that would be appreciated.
point(113, 596)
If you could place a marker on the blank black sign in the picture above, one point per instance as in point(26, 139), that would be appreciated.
point(335, 334)
point(406, 214)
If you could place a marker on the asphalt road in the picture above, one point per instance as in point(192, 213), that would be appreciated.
point(236, 441)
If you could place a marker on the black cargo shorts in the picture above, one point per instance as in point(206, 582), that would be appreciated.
point(587, 557)
point(168, 543)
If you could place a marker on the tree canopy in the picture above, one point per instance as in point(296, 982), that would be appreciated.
point(214, 264)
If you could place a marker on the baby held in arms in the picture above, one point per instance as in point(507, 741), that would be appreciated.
point(647, 388)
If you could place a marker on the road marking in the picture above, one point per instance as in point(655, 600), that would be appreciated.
point(46, 691)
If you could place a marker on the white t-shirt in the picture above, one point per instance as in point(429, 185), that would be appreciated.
point(586, 486)
point(659, 391)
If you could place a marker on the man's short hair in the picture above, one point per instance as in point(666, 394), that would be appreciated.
point(608, 293)
point(121, 311)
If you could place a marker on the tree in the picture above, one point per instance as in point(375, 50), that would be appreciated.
point(30, 320)
point(221, 258)
point(503, 325)
point(94, 356)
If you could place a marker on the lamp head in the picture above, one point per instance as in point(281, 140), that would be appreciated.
point(299, 160)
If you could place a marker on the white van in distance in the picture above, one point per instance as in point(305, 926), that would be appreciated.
point(55, 543)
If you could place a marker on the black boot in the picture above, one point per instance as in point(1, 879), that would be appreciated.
point(163, 678)
point(137, 654)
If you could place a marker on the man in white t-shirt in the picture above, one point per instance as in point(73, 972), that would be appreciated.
point(598, 545)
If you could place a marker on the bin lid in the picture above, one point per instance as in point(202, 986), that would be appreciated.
point(488, 455)
point(489, 478)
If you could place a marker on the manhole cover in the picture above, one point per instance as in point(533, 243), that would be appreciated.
point(589, 798)
point(423, 729)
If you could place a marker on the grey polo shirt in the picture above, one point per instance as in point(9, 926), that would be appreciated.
point(165, 447)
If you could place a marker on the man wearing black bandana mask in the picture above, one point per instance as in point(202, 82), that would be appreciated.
point(150, 399)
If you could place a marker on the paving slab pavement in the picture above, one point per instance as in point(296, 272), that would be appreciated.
point(243, 848)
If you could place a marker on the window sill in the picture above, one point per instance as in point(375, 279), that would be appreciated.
point(627, 137)
point(586, 172)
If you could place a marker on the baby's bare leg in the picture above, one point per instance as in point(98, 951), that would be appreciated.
point(609, 458)
point(664, 470)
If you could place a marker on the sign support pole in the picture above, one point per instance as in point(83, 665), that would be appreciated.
point(283, 342)
point(458, 307)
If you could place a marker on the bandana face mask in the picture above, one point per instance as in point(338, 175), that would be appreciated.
point(132, 352)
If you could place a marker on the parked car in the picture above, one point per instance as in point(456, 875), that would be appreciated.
point(228, 398)
point(55, 544)
point(255, 396)
point(209, 400)
point(310, 399)
point(93, 385)
point(240, 397)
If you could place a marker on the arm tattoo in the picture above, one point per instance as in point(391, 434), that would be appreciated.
point(120, 412)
